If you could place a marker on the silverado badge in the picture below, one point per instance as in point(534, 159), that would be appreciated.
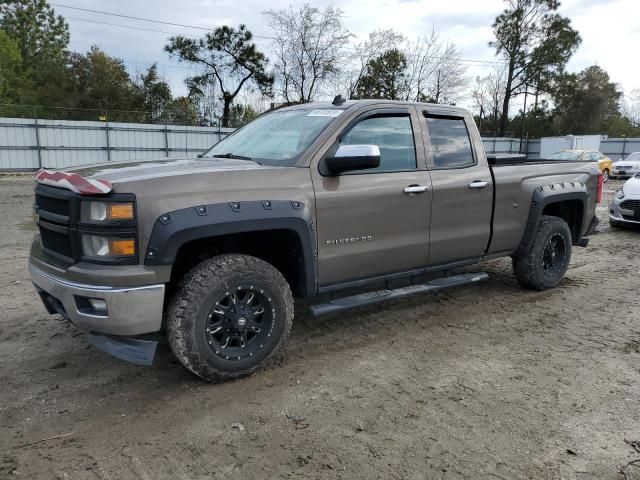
point(345, 241)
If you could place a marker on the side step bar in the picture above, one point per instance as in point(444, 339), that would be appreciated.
point(371, 298)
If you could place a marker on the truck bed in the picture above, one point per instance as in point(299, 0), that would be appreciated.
point(514, 184)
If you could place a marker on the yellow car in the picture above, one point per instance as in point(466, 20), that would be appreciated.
point(605, 164)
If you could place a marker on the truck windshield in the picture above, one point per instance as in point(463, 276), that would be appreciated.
point(277, 138)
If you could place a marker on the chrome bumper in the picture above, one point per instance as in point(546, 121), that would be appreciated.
point(620, 219)
point(130, 311)
point(617, 214)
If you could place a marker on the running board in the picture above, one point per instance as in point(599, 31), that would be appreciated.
point(371, 298)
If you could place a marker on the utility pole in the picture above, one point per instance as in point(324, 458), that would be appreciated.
point(524, 112)
point(37, 130)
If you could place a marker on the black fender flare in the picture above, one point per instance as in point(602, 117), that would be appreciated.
point(546, 195)
point(173, 229)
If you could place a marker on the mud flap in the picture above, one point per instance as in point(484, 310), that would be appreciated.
point(140, 352)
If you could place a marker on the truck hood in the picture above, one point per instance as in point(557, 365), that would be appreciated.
point(120, 172)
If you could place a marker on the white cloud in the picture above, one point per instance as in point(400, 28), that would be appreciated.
point(608, 28)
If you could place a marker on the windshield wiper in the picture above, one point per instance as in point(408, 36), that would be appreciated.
point(232, 155)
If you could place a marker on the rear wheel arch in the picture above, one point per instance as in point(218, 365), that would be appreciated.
point(566, 200)
point(571, 211)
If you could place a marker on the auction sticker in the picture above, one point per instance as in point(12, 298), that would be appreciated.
point(334, 112)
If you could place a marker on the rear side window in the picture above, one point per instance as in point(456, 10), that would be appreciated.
point(450, 142)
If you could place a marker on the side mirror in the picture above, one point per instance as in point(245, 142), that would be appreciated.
point(353, 157)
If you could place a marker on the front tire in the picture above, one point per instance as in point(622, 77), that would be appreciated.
point(544, 264)
point(230, 314)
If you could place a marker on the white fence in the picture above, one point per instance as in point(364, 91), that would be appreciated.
point(614, 148)
point(28, 144)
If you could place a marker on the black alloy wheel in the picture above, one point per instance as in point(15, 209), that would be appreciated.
point(239, 323)
point(553, 256)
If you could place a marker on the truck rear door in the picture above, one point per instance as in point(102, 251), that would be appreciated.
point(462, 198)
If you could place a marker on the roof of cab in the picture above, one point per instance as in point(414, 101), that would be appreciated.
point(431, 107)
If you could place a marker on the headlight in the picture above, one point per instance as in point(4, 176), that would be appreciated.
point(106, 211)
point(107, 247)
point(620, 195)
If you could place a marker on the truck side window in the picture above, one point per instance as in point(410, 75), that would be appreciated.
point(450, 142)
point(394, 137)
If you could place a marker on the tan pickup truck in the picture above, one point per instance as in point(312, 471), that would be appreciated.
point(303, 201)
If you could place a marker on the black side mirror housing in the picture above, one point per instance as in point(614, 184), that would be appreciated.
point(352, 157)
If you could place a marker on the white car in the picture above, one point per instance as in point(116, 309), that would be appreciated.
point(627, 167)
point(625, 207)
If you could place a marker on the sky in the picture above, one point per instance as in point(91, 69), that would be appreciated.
point(609, 29)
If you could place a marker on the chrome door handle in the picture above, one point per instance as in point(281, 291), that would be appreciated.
point(478, 184)
point(416, 189)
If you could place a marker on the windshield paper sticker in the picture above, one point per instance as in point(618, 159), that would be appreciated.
point(324, 113)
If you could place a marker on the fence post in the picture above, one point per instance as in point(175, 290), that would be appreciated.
point(106, 130)
point(166, 140)
point(37, 129)
point(624, 147)
point(494, 143)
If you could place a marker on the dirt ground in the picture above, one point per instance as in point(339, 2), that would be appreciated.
point(485, 381)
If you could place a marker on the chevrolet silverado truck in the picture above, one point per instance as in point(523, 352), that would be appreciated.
point(305, 201)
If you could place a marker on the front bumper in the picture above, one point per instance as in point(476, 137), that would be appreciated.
point(129, 311)
point(621, 215)
point(627, 173)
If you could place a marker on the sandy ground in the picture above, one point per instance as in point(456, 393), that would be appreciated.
point(486, 381)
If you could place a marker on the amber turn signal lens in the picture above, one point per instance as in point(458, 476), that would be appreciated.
point(120, 211)
point(122, 247)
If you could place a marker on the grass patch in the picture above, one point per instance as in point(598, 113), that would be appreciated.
point(29, 226)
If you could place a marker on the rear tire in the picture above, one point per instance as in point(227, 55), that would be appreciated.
point(544, 264)
point(229, 316)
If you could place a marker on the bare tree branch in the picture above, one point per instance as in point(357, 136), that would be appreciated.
point(310, 49)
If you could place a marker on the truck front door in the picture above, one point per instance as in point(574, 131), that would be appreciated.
point(375, 222)
point(462, 190)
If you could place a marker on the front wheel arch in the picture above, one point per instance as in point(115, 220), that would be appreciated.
point(206, 226)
